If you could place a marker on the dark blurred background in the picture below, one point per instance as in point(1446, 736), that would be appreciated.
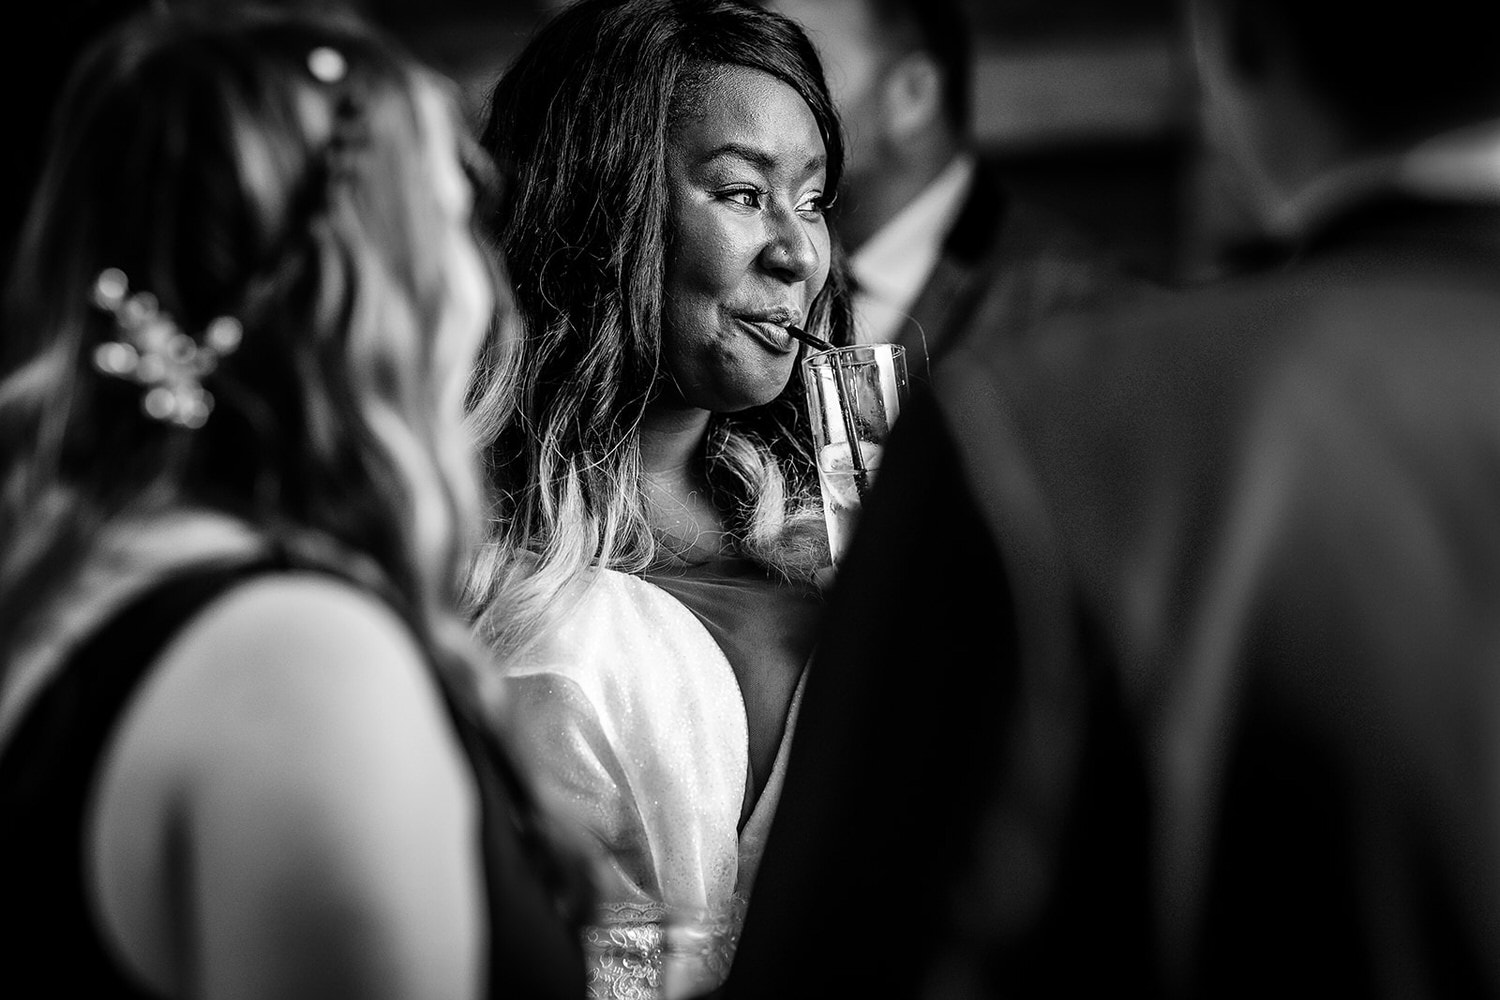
point(1087, 102)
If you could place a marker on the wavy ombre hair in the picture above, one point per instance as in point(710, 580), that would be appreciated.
point(579, 126)
point(220, 170)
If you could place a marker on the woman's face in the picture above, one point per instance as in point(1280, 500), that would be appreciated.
point(748, 247)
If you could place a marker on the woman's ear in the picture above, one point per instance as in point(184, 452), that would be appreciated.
point(911, 96)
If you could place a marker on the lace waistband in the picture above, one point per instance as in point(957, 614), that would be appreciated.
point(646, 951)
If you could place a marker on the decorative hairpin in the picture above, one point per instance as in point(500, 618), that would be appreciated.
point(154, 353)
point(327, 64)
point(348, 131)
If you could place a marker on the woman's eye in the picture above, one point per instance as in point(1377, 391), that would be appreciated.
point(748, 197)
point(814, 204)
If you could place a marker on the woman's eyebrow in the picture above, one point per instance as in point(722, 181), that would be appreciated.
point(759, 158)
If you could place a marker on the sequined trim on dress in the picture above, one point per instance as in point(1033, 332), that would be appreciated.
point(630, 950)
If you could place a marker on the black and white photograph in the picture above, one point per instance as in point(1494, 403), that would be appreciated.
point(750, 500)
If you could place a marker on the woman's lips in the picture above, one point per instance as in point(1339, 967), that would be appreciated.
point(772, 335)
point(769, 327)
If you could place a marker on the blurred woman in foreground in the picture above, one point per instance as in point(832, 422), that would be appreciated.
point(237, 755)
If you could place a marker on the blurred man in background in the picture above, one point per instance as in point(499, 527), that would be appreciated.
point(937, 244)
point(1166, 658)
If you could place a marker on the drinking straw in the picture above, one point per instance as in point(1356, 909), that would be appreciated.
point(810, 339)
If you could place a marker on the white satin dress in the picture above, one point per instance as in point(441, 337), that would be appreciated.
point(631, 723)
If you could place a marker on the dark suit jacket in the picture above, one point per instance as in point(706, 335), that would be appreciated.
point(1166, 660)
point(1006, 265)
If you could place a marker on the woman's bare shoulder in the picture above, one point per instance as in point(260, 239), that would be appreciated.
point(294, 663)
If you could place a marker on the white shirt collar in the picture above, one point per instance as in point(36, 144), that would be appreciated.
point(891, 267)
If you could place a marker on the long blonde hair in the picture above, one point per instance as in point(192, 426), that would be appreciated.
point(203, 158)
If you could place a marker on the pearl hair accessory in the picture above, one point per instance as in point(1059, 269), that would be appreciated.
point(327, 64)
point(153, 352)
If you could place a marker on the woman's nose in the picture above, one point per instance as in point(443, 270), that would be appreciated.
point(790, 251)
